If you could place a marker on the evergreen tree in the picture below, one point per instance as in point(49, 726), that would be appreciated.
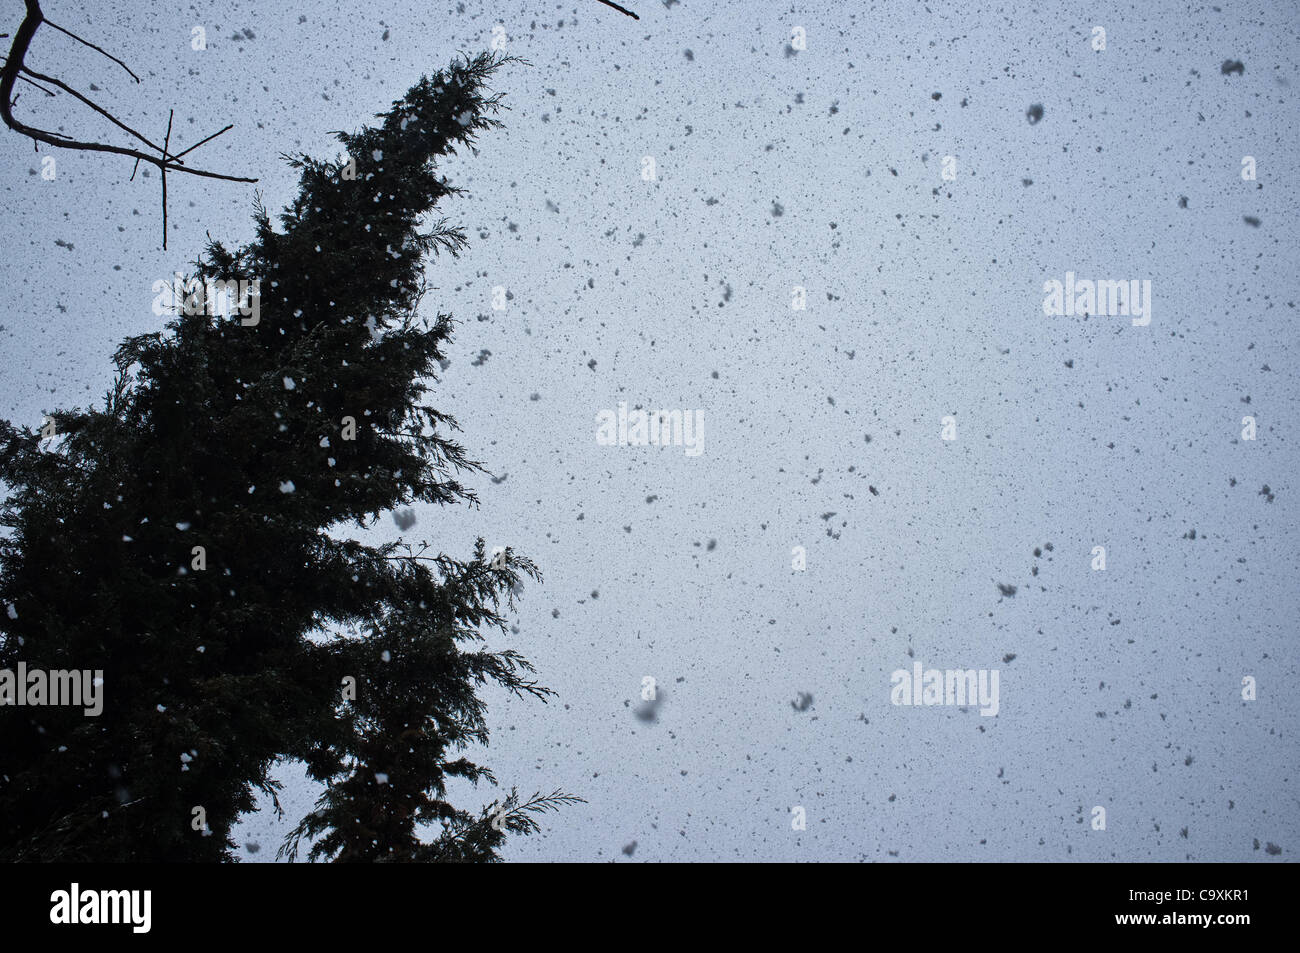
point(180, 540)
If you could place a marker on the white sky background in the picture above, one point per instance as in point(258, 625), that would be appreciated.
point(919, 305)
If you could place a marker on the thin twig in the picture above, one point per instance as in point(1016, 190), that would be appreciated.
point(5, 59)
point(623, 10)
point(94, 47)
point(10, 75)
point(15, 70)
point(47, 92)
point(99, 109)
point(166, 142)
point(177, 157)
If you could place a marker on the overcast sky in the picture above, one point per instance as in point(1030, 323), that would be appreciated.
point(820, 168)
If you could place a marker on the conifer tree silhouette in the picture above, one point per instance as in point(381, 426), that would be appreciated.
point(188, 539)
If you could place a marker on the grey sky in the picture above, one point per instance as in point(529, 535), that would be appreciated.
point(822, 169)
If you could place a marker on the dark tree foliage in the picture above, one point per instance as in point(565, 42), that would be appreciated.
point(234, 437)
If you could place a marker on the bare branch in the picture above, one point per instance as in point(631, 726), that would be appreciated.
point(622, 10)
point(92, 46)
point(177, 157)
point(166, 142)
point(47, 92)
point(14, 69)
point(99, 109)
point(10, 75)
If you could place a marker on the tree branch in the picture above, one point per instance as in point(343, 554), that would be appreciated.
point(99, 109)
point(92, 46)
point(47, 92)
point(622, 10)
point(14, 70)
point(167, 140)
